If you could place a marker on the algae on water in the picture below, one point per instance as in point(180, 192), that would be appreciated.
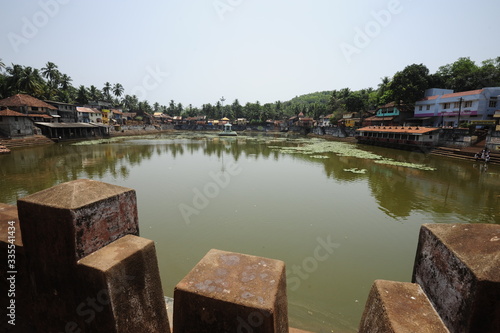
point(316, 147)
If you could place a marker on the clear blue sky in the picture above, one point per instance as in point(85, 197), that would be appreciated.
point(195, 51)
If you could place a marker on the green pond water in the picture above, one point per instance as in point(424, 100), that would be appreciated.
point(340, 215)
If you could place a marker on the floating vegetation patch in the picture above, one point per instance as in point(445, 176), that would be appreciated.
point(405, 164)
point(319, 156)
point(96, 142)
point(356, 170)
point(316, 147)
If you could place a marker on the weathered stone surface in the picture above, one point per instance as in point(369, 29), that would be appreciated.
point(22, 290)
point(61, 225)
point(458, 267)
point(232, 292)
point(123, 280)
point(98, 213)
point(399, 307)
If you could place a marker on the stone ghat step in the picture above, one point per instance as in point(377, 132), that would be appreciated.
point(4, 150)
point(464, 155)
point(26, 142)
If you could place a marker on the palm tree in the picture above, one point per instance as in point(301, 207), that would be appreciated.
point(106, 90)
point(130, 102)
point(118, 90)
point(2, 65)
point(51, 73)
point(94, 93)
point(13, 79)
point(82, 96)
point(65, 81)
point(31, 82)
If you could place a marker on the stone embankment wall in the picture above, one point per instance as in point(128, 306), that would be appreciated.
point(76, 263)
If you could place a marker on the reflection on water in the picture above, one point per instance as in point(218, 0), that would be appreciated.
point(290, 196)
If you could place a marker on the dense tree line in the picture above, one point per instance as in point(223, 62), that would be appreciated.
point(405, 87)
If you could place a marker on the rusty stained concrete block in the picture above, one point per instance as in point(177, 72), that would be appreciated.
point(232, 292)
point(399, 307)
point(61, 225)
point(98, 212)
point(125, 288)
point(458, 267)
point(22, 289)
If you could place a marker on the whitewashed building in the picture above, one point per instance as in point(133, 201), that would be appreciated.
point(443, 107)
point(88, 115)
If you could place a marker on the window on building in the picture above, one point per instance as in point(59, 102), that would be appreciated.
point(456, 105)
point(428, 107)
point(34, 108)
point(493, 102)
point(446, 106)
point(468, 104)
point(420, 108)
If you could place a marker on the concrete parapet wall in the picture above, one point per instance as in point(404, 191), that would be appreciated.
point(398, 307)
point(61, 225)
point(457, 276)
point(81, 267)
point(232, 292)
point(458, 267)
point(124, 282)
point(15, 289)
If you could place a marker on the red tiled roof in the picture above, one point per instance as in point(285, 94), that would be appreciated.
point(39, 115)
point(388, 105)
point(10, 113)
point(25, 100)
point(398, 129)
point(463, 93)
point(430, 98)
point(375, 118)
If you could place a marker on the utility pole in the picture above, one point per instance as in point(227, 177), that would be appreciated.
point(459, 110)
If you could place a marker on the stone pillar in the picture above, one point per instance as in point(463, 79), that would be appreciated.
point(232, 292)
point(458, 267)
point(61, 225)
point(399, 307)
point(125, 287)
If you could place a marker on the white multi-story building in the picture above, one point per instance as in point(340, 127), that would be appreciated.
point(88, 115)
point(443, 107)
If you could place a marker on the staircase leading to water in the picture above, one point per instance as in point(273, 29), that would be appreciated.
point(464, 154)
point(35, 140)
